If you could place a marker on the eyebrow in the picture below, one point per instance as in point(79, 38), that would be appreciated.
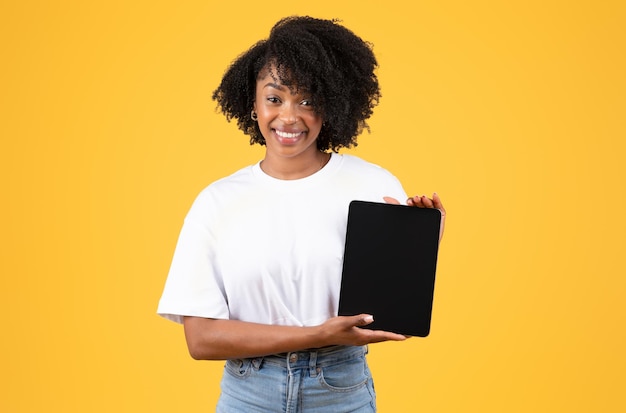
point(275, 86)
point(282, 88)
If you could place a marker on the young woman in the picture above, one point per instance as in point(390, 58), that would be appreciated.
point(256, 273)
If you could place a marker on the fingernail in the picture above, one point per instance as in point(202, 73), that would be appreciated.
point(368, 318)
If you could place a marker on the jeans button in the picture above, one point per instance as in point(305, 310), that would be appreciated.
point(293, 357)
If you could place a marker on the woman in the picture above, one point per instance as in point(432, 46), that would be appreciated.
point(256, 273)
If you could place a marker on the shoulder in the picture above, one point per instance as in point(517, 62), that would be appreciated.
point(238, 180)
point(223, 192)
point(354, 164)
point(367, 181)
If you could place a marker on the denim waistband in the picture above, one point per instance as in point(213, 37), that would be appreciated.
point(311, 359)
point(316, 357)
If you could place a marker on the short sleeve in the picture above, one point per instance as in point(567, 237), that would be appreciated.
point(194, 286)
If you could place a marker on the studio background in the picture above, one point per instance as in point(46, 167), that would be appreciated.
point(512, 111)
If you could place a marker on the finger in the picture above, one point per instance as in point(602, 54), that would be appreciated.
point(438, 204)
point(415, 201)
point(377, 336)
point(427, 202)
point(418, 201)
point(391, 200)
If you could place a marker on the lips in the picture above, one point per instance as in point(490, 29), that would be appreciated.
point(288, 138)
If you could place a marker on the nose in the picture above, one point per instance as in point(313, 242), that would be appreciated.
point(288, 114)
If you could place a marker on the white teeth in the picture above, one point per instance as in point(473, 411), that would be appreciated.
point(286, 134)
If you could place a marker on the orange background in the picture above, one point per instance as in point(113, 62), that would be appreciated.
point(512, 112)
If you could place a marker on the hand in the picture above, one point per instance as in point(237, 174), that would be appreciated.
point(344, 330)
point(424, 202)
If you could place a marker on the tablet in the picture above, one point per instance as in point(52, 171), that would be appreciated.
point(389, 266)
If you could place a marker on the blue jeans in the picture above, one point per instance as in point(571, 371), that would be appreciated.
point(333, 379)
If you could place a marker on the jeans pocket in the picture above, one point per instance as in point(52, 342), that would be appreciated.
point(346, 376)
point(238, 368)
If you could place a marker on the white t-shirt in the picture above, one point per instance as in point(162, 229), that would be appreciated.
point(260, 249)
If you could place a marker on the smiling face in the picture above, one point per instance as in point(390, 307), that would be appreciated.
point(287, 120)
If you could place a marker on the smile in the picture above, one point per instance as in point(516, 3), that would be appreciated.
point(287, 135)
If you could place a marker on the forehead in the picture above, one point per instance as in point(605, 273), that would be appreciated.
point(278, 79)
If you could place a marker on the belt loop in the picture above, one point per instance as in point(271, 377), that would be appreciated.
point(291, 358)
point(313, 363)
point(256, 362)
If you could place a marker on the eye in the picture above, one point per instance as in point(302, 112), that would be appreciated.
point(307, 103)
point(273, 99)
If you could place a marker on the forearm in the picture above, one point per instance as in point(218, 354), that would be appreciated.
point(209, 339)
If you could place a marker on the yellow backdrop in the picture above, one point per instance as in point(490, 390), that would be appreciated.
point(512, 111)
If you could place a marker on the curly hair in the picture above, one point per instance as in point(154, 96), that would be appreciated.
point(319, 57)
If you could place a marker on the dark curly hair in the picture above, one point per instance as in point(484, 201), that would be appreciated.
point(318, 57)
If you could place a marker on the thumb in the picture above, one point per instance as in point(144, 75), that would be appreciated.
point(364, 319)
point(391, 200)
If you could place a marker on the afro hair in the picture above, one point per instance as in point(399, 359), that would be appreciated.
point(329, 62)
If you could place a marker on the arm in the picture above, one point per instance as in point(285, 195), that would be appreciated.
point(211, 339)
point(424, 202)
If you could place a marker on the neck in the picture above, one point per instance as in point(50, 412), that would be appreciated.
point(294, 168)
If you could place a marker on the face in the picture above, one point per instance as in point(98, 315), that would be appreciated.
point(287, 119)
